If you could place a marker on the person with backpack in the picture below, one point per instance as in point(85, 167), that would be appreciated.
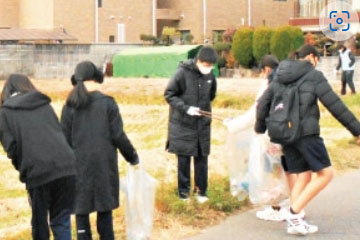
point(347, 65)
point(268, 66)
point(289, 111)
point(32, 137)
point(190, 90)
point(94, 128)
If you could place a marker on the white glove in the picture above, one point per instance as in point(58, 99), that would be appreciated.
point(193, 111)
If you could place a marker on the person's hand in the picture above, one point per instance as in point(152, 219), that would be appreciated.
point(193, 111)
point(358, 140)
point(274, 149)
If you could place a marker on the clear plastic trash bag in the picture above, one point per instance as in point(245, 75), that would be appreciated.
point(237, 153)
point(139, 188)
point(266, 177)
point(253, 171)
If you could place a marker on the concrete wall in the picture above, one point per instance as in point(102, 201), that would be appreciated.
point(36, 14)
point(16, 59)
point(53, 61)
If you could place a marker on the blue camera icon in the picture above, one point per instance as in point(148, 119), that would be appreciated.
point(339, 21)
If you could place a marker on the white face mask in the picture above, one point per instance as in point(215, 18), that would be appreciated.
point(204, 70)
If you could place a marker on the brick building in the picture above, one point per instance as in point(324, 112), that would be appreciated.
point(123, 21)
point(307, 13)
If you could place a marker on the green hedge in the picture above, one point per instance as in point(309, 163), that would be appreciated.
point(261, 42)
point(242, 46)
point(285, 40)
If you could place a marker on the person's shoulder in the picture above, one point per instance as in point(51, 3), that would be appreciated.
point(317, 75)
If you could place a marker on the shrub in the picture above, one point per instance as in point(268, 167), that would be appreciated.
point(242, 46)
point(358, 40)
point(285, 40)
point(221, 62)
point(261, 42)
point(310, 39)
point(228, 35)
point(188, 39)
point(298, 38)
point(222, 46)
point(149, 38)
point(168, 33)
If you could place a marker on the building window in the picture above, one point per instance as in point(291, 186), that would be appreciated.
point(111, 38)
point(217, 35)
point(313, 8)
point(99, 3)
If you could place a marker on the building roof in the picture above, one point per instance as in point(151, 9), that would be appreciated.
point(15, 34)
point(176, 49)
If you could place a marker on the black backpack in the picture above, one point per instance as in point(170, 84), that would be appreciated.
point(283, 122)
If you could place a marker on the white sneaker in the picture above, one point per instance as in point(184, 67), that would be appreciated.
point(270, 214)
point(284, 211)
point(202, 199)
point(310, 229)
point(297, 225)
point(186, 200)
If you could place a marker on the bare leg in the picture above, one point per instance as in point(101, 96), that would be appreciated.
point(290, 178)
point(312, 189)
point(301, 181)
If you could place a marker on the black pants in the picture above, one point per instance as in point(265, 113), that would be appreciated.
point(54, 199)
point(201, 175)
point(104, 223)
point(347, 78)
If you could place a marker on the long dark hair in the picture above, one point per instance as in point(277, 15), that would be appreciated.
point(16, 83)
point(79, 97)
point(304, 51)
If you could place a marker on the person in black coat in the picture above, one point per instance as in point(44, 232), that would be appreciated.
point(307, 154)
point(94, 128)
point(32, 137)
point(191, 89)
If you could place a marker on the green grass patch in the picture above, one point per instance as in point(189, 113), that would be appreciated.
point(221, 203)
point(345, 154)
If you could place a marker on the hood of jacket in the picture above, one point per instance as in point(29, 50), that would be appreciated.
point(27, 101)
point(290, 71)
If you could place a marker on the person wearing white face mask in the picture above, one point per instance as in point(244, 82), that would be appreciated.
point(191, 89)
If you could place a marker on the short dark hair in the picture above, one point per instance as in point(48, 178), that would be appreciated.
point(16, 83)
point(341, 46)
point(304, 51)
point(269, 61)
point(207, 54)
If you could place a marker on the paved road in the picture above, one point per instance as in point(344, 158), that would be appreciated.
point(336, 211)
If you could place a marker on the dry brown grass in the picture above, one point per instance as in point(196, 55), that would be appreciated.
point(145, 116)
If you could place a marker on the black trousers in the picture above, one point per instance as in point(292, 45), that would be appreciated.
point(184, 178)
point(54, 199)
point(104, 224)
point(347, 78)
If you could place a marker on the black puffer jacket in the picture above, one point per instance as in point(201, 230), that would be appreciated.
point(32, 136)
point(188, 87)
point(95, 133)
point(314, 87)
